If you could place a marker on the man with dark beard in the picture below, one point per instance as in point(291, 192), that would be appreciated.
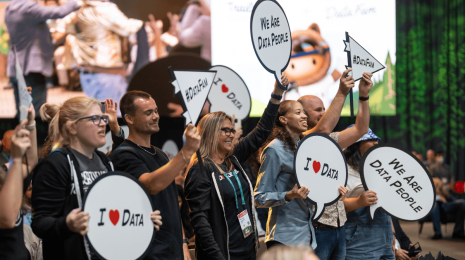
point(330, 226)
point(152, 168)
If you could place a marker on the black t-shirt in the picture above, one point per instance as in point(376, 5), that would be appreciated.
point(238, 245)
point(135, 160)
point(90, 169)
point(12, 242)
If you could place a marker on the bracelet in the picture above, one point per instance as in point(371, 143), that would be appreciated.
point(276, 96)
point(363, 98)
point(31, 127)
point(185, 160)
point(185, 240)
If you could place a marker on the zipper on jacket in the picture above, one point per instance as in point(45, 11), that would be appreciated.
point(224, 214)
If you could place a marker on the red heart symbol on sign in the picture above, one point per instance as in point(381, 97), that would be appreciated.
point(316, 166)
point(224, 88)
point(114, 216)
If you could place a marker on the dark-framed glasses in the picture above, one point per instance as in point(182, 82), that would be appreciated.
point(228, 131)
point(96, 119)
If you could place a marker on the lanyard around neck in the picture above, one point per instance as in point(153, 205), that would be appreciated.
point(240, 187)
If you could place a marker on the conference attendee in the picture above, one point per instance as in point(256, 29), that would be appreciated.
point(329, 229)
point(441, 170)
point(31, 45)
point(369, 239)
point(196, 28)
point(151, 166)
point(218, 190)
point(58, 191)
point(430, 158)
point(98, 49)
point(402, 243)
point(5, 151)
point(451, 206)
point(289, 219)
point(11, 198)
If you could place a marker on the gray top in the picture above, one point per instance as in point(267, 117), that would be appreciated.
point(289, 222)
point(90, 169)
point(29, 33)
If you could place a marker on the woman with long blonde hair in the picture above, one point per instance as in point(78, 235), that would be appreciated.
point(217, 189)
point(64, 176)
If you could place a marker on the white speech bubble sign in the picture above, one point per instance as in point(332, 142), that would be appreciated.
point(404, 187)
point(320, 166)
point(229, 93)
point(170, 148)
point(119, 208)
point(192, 88)
point(271, 37)
point(25, 98)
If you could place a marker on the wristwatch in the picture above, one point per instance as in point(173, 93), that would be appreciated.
point(363, 98)
point(185, 240)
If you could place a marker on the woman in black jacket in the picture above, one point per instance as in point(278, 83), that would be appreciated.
point(64, 176)
point(218, 191)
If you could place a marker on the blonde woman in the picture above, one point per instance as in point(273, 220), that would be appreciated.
point(58, 191)
point(218, 191)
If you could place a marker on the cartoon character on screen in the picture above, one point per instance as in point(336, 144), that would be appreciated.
point(309, 65)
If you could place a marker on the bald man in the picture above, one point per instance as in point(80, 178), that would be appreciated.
point(315, 110)
point(430, 158)
point(330, 234)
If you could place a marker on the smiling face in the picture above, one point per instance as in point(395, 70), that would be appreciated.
point(225, 142)
point(145, 118)
point(89, 134)
point(295, 120)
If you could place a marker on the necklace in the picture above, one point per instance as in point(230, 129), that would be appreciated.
point(148, 151)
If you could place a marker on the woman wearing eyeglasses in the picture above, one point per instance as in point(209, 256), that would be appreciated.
point(64, 176)
point(217, 189)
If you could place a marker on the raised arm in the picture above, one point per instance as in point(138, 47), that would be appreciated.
point(11, 194)
point(331, 116)
point(254, 140)
point(32, 154)
point(351, 135)
point(158, 180)
point(38, 13)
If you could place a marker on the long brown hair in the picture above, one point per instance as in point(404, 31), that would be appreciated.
point(279, 131)
point(209, 128)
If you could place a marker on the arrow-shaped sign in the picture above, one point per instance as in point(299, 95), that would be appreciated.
point(360, 60)
point(192, 88)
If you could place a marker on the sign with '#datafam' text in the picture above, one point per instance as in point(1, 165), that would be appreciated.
point(320, 166)
point(192, 88)
point(402, 183)
point(119, 208)
point(229, 93)
point(271, 37)
point(359, 59)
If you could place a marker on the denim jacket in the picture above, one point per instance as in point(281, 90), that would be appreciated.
point(289, 222)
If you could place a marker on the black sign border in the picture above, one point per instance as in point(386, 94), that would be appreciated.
point(315, 219)
point(362, 177)
point(119, 173)
point(253, 44)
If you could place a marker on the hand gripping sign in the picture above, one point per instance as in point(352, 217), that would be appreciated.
point(402, 183)
point(320, 166)
point(360, 60)
point(229, 93)
point(271, 37)
point(192, 88)
point(119, 226)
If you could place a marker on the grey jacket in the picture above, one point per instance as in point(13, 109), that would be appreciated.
point(29, 33)
point(289, 222)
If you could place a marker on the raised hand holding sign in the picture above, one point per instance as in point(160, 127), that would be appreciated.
point(271, 37)
point(402, 184)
